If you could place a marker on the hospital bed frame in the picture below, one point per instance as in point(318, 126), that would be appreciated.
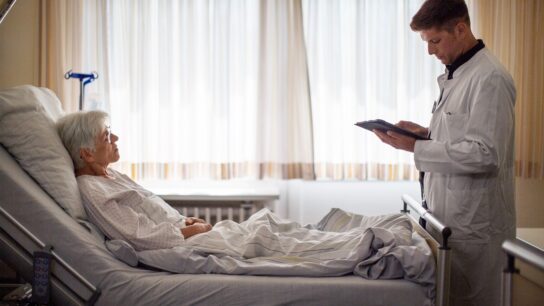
point(441, 251)
point(83, 271)
point(68, 287)
point(525, 252)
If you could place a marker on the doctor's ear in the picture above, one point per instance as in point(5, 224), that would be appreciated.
point(461, 29)
point(86, 155)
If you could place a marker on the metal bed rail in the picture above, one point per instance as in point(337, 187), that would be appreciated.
point(23, 244)
point(5, 9)
point(516, 248)
point(443, 261)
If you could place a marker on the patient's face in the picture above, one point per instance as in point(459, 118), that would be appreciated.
point(106, 151)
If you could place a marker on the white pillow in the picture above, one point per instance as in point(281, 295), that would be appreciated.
point(28, 132)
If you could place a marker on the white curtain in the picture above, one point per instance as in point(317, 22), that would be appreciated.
point(221, 89)
point(204, 89)
point(365, 63)
point(61, 48)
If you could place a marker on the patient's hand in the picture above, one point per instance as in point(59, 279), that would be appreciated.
point(193, 220)
point(414, 128)
point(194, 229)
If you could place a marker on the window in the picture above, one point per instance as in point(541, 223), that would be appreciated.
point(257, 89)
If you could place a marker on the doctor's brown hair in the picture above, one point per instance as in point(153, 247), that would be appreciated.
point(440, 14)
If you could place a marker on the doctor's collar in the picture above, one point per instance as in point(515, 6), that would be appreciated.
point(464, 58)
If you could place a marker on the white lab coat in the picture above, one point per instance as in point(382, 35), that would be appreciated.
point(469, 173)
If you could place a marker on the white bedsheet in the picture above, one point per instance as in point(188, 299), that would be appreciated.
point(342, 243)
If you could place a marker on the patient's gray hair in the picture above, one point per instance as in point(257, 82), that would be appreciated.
point(79, 130)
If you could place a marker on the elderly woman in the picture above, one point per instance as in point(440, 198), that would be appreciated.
point(121, 208)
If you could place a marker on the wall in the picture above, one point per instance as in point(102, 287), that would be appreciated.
point(530, 202)
point(309, 201)
point(19, 45)
point(19, 55)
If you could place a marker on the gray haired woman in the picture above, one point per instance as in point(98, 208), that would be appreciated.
point(116, 204)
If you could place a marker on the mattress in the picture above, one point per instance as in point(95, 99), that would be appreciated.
point(120, 284)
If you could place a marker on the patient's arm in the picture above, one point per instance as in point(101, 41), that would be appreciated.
point(194, 229)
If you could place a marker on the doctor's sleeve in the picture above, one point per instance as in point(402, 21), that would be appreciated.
point(487, 132)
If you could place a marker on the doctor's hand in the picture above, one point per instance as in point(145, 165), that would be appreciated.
point(397, 141)
point(414, 128)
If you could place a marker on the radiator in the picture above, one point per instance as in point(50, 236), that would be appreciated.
point(214, 212)
point(215, 201)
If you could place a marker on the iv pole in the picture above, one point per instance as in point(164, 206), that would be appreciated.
point(84, 79)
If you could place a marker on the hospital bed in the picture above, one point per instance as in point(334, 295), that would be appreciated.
point(83, 271)
point(523, 277)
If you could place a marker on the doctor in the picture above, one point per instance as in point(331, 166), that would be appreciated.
point(468, 164)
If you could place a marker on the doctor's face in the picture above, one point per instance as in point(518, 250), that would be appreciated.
point(446, 46)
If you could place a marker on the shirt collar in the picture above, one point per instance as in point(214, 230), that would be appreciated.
point(464, 58)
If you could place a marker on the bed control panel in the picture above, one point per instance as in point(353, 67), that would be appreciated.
point(40, 281)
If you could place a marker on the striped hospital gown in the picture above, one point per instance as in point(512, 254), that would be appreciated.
point(125, 210)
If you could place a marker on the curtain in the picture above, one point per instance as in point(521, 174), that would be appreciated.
point(221, 89)
point(209, 89)
point(513, 31)
point(365, 63)
point(61, 48)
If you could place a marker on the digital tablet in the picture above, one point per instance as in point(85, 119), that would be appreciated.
point(385, 126)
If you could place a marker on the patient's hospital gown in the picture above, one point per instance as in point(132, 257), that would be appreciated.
point(125, 210)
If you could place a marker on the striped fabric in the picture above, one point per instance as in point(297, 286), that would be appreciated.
point(125, 210)
point(342, 243)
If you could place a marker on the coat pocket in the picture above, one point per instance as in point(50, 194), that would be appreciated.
point(456, 125)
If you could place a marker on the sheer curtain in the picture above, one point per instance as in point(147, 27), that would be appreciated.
point(209, 89)
point(365, 63)
point(513, 31)
point(221, 89)
point(73, 36)
point(61, 48)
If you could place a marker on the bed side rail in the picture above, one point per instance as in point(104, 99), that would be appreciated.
point(444, 231)
point(443, 260)
point(60, 269)
point(516, 248)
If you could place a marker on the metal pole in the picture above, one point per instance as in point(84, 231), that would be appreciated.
point(523, 251)
point(6, 9)
point(81, 94)
point(507, 276)
point(443, 261)
point(435, 223)
point(443, 277)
